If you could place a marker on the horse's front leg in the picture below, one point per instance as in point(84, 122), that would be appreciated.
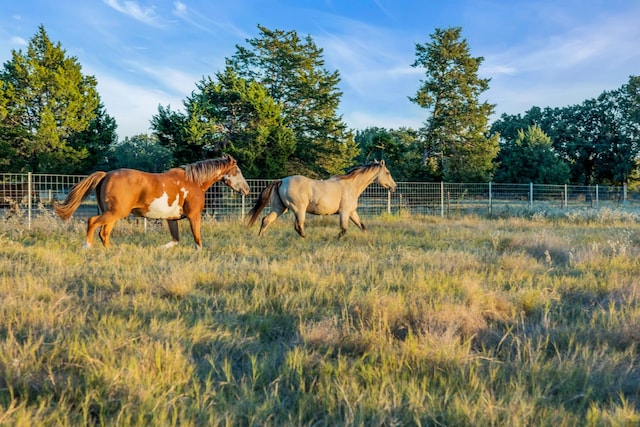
point(175, 233)
point(194, 221)
point(355, 218)
point(298, 225)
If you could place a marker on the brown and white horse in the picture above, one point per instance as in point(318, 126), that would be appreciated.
point(336, 195)
point(173, 195)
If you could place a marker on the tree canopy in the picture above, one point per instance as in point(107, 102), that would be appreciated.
point(598, 139)
point(45, 99)
point(456, 141)
point(293, 72)
point(530, 158)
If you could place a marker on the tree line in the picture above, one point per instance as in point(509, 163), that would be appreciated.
point(274, 107)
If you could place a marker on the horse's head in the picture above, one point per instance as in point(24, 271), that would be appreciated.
point(384, 178)
point(233, 178)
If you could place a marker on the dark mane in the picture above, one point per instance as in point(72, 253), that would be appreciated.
point(202, 171)
point(357, 170)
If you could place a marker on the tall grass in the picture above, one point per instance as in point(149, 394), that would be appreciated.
point(418, 321)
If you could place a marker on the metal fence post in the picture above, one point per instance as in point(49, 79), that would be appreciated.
point(388, 202)
point(566, 201)
point(531, 196)
point(597, 197)
point(442, 199)
point(490, 198)
point(30, 196)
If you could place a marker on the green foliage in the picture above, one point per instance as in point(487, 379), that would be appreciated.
point(456, 130)
point(597, 139)
point(238, 117)
point(292, 71)
point(170, 127)
point(45, 100)
point(485, 322)
point(142, 152)
point(400, 148)
point(98, 139)
point(530, 158)
point(229, 115)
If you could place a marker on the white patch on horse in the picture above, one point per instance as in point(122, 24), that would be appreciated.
point(160, 207)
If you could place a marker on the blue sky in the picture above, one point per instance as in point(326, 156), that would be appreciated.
point(146, 53)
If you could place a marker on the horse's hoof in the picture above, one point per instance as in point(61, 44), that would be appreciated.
point(170, 244)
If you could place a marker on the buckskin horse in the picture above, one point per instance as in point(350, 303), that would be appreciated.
point(336, 195)
point(173, 195)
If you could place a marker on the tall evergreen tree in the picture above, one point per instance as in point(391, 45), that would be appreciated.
point(46, 99)
point(98, 138)
point(294, 74)
point(229, 115)
point(456, 135)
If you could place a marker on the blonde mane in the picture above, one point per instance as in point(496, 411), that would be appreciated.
point(358, 170)
point(202, 171)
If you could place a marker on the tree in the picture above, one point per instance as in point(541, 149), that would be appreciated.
point(599, 139)
point(400, 148)
point(456, 135)
point(230, 115)
point(170, 128)
point(620, 133)
point(98, 138)
point(46, 99)
point(292, 70)
point(142, 152)
point(530, 158)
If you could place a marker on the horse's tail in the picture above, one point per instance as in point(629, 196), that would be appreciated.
point(77, 194)
point(263, 200)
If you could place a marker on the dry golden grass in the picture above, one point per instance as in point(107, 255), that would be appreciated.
point(419, 321)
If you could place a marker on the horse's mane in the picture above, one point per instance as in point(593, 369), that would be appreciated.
point(358, 170)
point(202, 171)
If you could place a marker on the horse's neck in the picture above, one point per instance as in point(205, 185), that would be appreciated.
point(361, 181)
point(213, 179)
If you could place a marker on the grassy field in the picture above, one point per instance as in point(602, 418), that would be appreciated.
point(419, 321)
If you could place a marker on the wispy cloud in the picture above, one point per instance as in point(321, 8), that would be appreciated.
point(596, 44)
point(134, 10)
point(18, 41)
point(132, 105)
point(204, 23)
point(173, 80)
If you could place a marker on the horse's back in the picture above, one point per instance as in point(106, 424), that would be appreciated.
point(319, 197)
point(153, 195)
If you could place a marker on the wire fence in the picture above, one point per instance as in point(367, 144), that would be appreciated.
point(29, 195)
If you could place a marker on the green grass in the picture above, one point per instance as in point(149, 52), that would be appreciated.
point(418, 321)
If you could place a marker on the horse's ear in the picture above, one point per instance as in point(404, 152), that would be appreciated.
point(381, 162)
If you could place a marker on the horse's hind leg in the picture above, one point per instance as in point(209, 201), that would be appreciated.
point(344, 221)
point(105, 233)
point(92, 224)
point(269, 218)
point(106, 222)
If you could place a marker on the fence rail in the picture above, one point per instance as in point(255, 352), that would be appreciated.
point(31, 195)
